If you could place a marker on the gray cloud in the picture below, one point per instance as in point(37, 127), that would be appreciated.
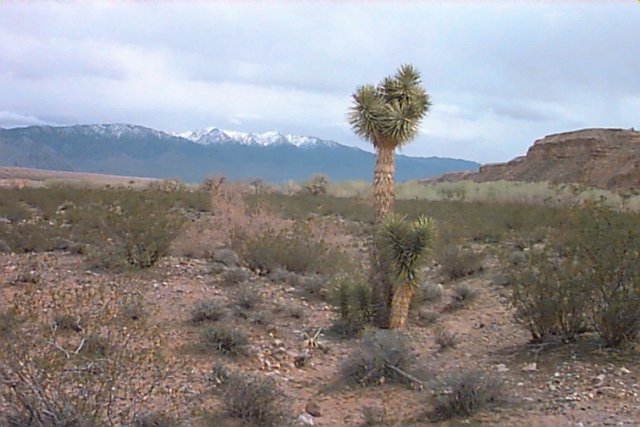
point(500, 74)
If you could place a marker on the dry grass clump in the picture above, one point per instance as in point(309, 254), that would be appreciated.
point(254, 399)
point(463, 295)
point(207, 311)
point(223, 339)
point(464, 394)
point(383, 356)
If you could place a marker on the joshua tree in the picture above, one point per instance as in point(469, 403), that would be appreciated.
point(404, 246)
point(388, 116)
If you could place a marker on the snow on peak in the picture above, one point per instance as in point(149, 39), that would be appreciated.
point(214, 135)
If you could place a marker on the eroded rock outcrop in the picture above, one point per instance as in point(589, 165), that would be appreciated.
point(601, 158)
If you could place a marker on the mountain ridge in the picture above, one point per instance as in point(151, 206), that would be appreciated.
point(128, 149)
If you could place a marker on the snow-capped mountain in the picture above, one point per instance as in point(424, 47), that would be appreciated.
point(214, 135)
point(125, 149)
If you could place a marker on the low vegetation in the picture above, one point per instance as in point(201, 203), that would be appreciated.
point(277, 287)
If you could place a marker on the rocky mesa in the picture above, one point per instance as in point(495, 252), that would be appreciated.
point(600, 158)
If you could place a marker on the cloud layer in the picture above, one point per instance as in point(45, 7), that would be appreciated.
point(500, 74)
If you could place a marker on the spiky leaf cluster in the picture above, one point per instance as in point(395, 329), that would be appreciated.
point(406, 244)
point(390, 113)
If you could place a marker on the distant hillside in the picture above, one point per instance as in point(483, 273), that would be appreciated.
point(123, 149)
point(601, 158)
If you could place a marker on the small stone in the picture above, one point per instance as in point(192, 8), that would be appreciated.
point(502, 368)
point(313, 409)
point(624, 370)
point(530, 367)
point(305, 419)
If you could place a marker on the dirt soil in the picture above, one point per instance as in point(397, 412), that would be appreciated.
point(550, 385)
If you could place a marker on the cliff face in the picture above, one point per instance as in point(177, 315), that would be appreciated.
point(601, 158)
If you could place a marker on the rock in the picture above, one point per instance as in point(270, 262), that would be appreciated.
point(226, 257)
point(530, 367)
point(313, 409)
point(502, 368)
point(305, 419)
point(601, 158)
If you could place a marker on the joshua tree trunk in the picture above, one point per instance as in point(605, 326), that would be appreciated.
point(400, 302)
point(383, 188)
point(384, 195)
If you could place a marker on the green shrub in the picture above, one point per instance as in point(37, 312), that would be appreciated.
point(133, 232)
point(352, 298)
point(295, 251)
point(587, 275)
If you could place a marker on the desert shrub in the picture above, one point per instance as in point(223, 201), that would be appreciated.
point(66, 322)
point(83, 379)
point(212, 183)
point(207, 311)
point(134, 232)
point(429, 292)
point(219, 373)
point(427, 317)
point(294, 250)
point(586, 275)
point(226, 257)
point(8, 323)
point(317, 185)
point(445, 339)
point(380, 358)
point(13, 210)
point(168, 185)
point(223, 339)
point(234, 276)
point(247, 298)
point(133, 310)
point(96, 346)
point(374, 416)
point(463, 295)
point(262, 318)
point(38, 236)
point(155, 419)
point(353, 300)
point(253, 399)
point(464, 394)
point(457, 262)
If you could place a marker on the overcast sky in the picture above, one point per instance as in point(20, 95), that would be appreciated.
point(500, 74)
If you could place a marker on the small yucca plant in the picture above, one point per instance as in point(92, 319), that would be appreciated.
point(405, 247)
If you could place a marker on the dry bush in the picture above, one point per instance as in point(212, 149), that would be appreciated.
point(223, 339)
point(95, 376)
point(383, 356)
point(254, 399)
point(463, 295)
point(462, 395)
point(456, 262)
point(168, 185)
point(207, 311)
point(445, 339)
